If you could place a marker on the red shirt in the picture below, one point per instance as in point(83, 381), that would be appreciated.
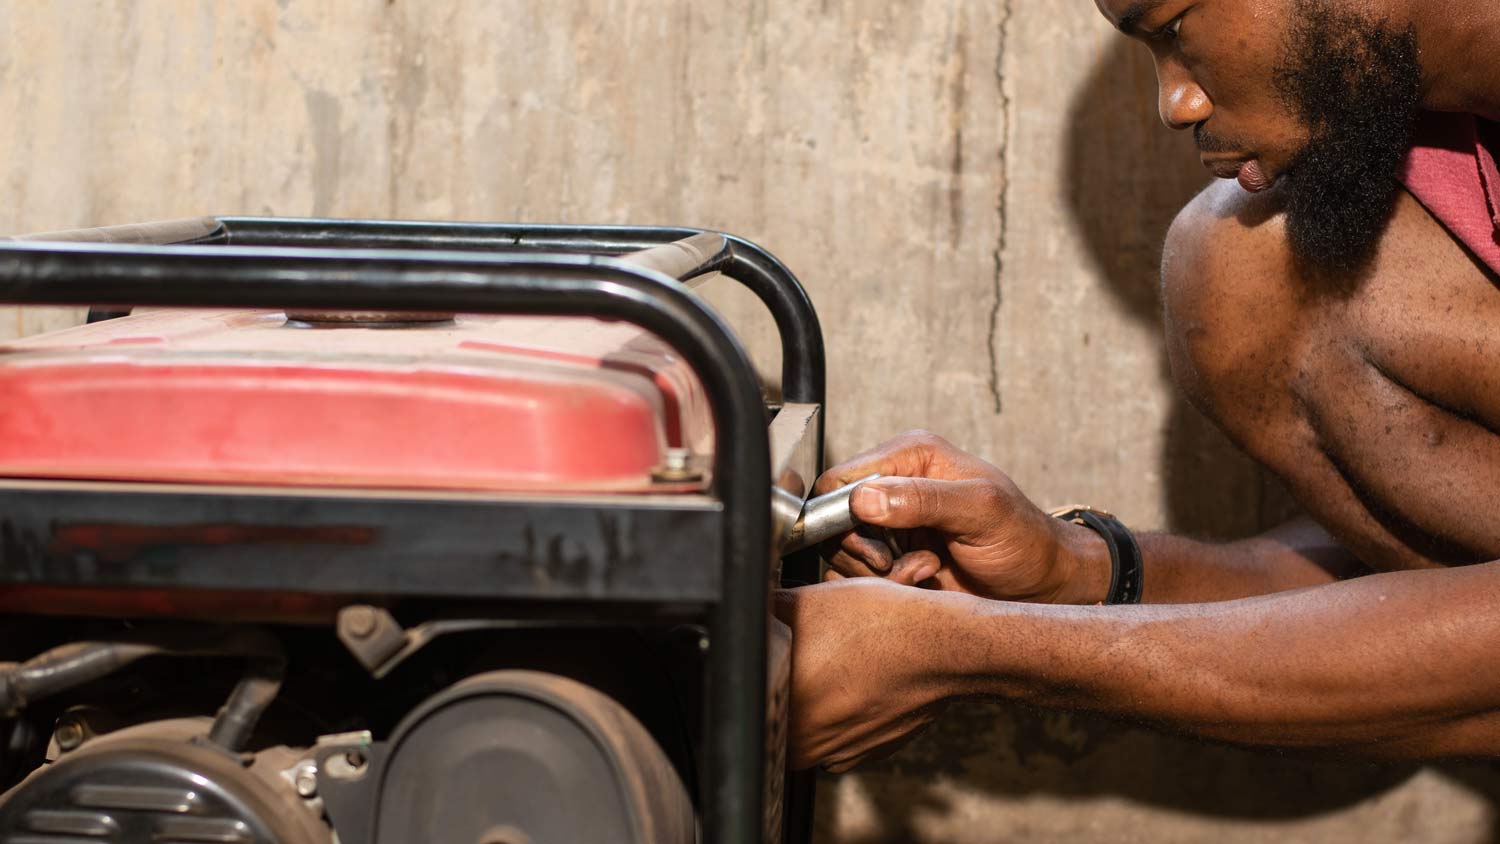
point(1451, 170)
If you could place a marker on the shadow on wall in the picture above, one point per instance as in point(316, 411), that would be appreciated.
point(999, 756)
point(1127, 177)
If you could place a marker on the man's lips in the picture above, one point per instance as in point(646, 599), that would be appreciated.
point(1248, 171)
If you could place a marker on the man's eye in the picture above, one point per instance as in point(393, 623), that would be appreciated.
point(1172, 29)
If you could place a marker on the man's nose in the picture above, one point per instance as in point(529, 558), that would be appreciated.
point(1182, 102)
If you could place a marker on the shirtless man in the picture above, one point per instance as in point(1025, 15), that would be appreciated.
point(1333, 306)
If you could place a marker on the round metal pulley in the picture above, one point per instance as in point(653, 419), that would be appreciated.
point(524, 757)
point(133, 787)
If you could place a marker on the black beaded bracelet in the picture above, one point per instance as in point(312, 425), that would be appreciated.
point(1124, 553)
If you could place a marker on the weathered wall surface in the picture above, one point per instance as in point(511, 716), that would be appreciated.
point(974, 192)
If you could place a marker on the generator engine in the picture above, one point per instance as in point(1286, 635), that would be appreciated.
point(388, 532)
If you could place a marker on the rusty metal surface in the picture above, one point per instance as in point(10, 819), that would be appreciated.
point(468, 546)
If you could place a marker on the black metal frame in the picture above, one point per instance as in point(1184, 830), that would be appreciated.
point(803, 364)
point(802, 355)
point(259, 263)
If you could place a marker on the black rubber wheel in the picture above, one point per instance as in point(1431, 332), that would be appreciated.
point(524, 757)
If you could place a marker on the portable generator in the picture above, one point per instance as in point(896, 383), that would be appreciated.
point(395, 533)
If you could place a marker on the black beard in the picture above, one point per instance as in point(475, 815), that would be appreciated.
point(1356, 84)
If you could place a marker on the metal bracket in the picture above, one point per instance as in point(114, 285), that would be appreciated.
point(349, 773)
point(372, 635)
point(380, 643)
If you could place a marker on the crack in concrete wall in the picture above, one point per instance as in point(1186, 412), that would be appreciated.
point(1001, 207)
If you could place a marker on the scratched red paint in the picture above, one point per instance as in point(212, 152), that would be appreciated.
point(212, 605)
point(123, 542)
point(485, 403)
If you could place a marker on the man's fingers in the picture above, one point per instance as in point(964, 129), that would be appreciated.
point(912, 454)
point(858, 555)
point(853, 565)
point(869, 545)
point(956, 508)
point(915, 567)
point(842, 476)
point(947, 580)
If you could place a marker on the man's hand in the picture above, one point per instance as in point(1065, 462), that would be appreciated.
point(962, 526)
point(1394, 665)
point(865, 678)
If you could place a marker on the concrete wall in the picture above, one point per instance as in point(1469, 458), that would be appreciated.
point(974, 193)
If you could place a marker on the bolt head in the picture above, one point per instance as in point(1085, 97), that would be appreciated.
point(69, 735)
point(677, 467)
point(306, 781)
point(359, 621)
point(349, 765)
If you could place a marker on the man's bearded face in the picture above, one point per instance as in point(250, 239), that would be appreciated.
point(1355, 82)
point(1311, 99)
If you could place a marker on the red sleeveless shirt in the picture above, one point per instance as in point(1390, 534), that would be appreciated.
point(1451, 169)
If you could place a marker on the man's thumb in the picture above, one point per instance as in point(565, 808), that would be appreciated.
point(952, 507)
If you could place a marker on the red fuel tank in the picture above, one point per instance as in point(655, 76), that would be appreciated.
point(250, 397)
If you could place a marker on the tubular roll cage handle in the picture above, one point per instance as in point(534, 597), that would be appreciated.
point(802, 356)
point(267, 276)
point(803, 363)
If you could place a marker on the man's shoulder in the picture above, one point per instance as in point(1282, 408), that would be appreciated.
point(1224, 232)
point(1227, 294)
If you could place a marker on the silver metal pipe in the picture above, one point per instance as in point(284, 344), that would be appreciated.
point(820, 519)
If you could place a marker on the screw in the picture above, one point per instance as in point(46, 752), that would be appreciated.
point(348, 765)
point(677, 467)
point(359, 621)
point(306, 780)
point(69, 734)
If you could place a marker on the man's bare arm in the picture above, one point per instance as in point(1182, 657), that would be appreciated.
point(1398, 665)
point(1390, 665)
point(977, 533)
point(1178, 570)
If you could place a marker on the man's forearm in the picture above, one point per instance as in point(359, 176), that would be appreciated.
point(1389, 665)
point(1179, 570)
